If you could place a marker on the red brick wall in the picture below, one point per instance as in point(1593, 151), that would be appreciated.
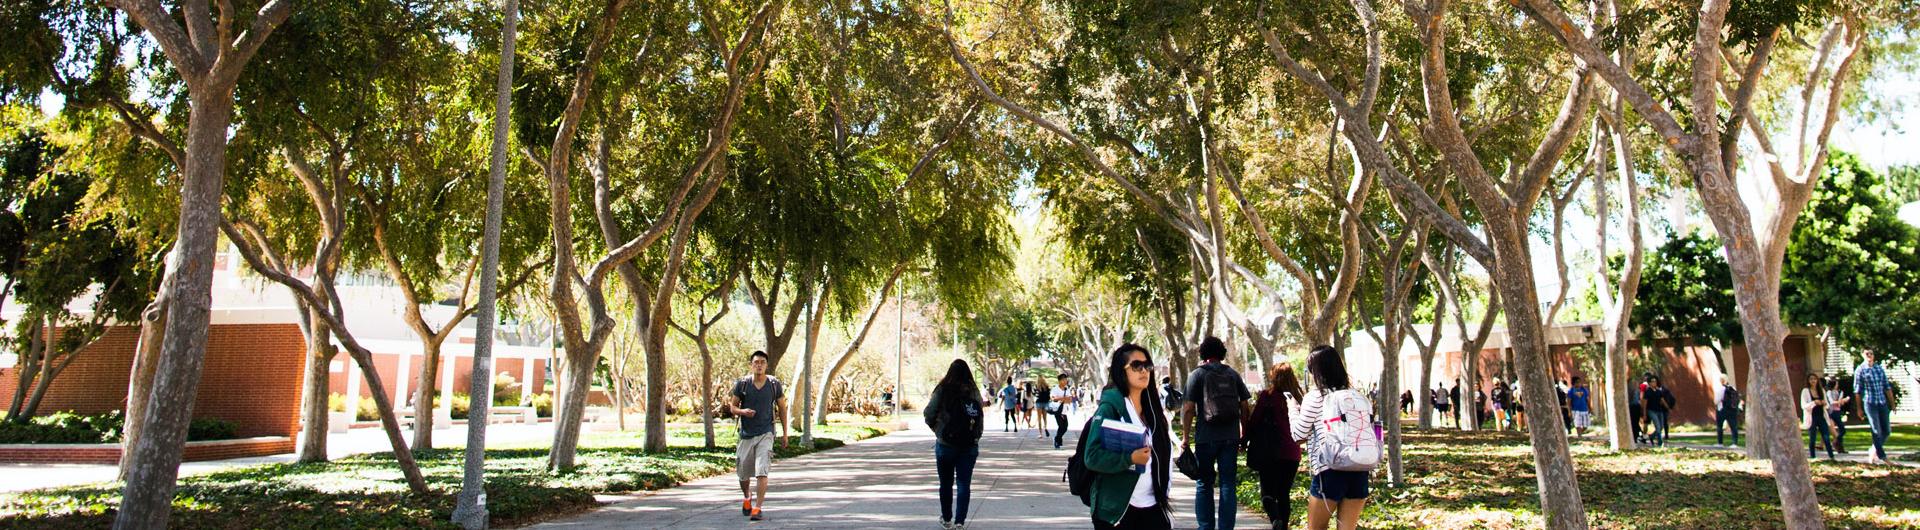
point(110, 454)
point(251, 377)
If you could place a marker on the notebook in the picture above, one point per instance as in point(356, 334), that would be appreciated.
point(1124, 438)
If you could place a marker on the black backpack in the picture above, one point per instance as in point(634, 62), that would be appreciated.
point(957, 423)
point(1221, 393)
point(1079, 479)
point(1730, 401)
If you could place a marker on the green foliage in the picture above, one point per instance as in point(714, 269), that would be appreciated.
point(1853, 264)
point(1903, 184)
point(1892, 329)
point(1686, 292)
point(70, 428)
point(365, 491)
point(542, 405)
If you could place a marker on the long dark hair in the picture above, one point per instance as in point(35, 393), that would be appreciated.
point(957, 387)
point(1329, 373)
point(1153, 413)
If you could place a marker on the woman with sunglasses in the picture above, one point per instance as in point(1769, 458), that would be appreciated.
point(1130, 487)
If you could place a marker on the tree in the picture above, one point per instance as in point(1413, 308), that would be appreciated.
point(57, 248)
point(1756, 226)
point(739, 61)
point(1503, 204)
point(206, 54)
point(1686, 295)
point(1852, 260)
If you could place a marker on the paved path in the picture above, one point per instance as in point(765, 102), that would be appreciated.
point(884, 482)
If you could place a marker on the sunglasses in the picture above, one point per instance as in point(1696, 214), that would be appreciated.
point(1140, 366)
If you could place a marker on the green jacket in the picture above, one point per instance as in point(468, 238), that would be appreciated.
point(1114, 479)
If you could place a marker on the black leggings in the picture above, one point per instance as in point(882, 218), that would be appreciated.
point(1013, 420)
point(1276, 492)
point(1059, 433)
point(1154, 518)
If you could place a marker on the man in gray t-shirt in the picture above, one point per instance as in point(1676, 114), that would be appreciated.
point(758, 402)
point(1216, 443)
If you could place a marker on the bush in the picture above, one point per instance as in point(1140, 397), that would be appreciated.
point(71, 428)
point(368, 411)
point(542, 405)
point(506, 391)
point(461, 404)
point(211, 429)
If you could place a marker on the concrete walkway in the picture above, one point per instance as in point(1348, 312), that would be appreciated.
point(885, 482)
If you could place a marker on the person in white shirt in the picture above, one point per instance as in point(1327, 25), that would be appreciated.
point(1332, 493)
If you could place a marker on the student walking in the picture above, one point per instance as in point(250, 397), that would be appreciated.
point(1010, 402)
point(1580, 400)
point(1216, 401)
point(1501, 406)
point(1637, 411)
point(1659, 402)
point(1042, 406)
point(757, 401)
point(1061, 400)
point(954, 413)
point(1870, 384)
point(1271, 450)
point(1727, 410)
point(1837, 402)
point(1328, 419)
point(1812, 404)
point(1129, 489)
point(1453, 398)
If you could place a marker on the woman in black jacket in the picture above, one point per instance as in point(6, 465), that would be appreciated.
point(954, 413)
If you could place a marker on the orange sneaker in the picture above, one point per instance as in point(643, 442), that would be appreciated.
point(755, 516)
point(746, 507)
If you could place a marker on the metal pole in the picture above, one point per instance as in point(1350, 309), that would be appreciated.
point(470, 510)
point(899, 352)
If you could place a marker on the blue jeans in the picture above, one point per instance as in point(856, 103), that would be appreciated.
point(1224, 459)
point(1877, 420)
point(1657, 435)
point(956, 476)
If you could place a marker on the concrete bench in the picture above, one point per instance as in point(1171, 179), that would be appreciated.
point(525, 415)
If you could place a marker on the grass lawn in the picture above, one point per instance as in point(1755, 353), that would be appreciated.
point(367, 491)
point(1486, 480)
point(1903, 439)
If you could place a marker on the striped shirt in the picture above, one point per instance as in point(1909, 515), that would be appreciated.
point(1870, 383)
point(1303, 427)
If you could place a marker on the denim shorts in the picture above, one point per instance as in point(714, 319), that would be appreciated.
point(1336, 486)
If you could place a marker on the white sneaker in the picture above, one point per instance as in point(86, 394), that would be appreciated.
point(959, 527)
point(946, 525)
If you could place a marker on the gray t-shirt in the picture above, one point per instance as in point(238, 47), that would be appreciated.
point(1205, 431)
point(761, 401)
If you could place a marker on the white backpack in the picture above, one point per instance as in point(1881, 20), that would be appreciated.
point(1349, 438)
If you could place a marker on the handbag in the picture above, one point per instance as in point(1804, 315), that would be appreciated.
point(1190, 465)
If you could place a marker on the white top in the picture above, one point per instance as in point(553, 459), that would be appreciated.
point(1142, 489)
point(1303, 429)
point(1833, 399)
point(1806, 408)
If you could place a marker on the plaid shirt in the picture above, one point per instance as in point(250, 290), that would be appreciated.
point(1870, 383)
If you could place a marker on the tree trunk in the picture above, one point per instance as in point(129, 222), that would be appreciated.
point(806, 366)
point(1553, 463)
point(427, 394)
point(155, 459)
point(314, 386)
point(853, 346)
point(29, 368)
point(575, 381)
point(706, 388)
point(146, 358)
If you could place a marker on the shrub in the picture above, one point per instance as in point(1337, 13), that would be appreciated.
point(368, 411)
point(71, 428)
point(211, 429)
point(461, 403)
point(506, 391)
point(542, 405)
point(336, 403)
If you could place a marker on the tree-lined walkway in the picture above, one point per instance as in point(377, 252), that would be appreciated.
point(887, 482)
